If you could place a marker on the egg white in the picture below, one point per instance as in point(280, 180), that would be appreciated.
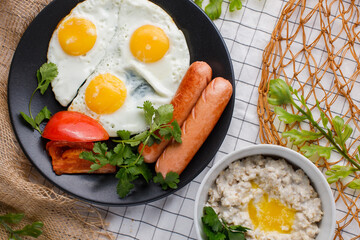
point(73, 70)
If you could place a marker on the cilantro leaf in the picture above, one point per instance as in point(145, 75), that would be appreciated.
point(213, 235)
point(164, 114)
point(141, 169)
point(199, 3)
point(42, 115)
point(176, 131)
point(235, 5)
point(211, 219)
point(100, 148)
point(29, 120)
point(214, 228)
point(123, 134)
point(149, 111)
point(87, 155)
point(213, 9)
point(235, 235)
point(170, 181)
point(45, 74)
point(124, 185)
point(125, 156)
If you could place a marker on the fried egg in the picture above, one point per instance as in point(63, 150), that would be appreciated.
point(153, 45)
point(145, 59)
point(79, 43)
point(112, 95)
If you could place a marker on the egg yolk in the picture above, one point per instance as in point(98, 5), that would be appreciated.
point(77, 36)
point(149, 43)
point(271, 214)
point(105, 94)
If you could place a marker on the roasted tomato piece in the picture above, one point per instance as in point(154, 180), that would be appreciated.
point(65, 158)
point(74, 127)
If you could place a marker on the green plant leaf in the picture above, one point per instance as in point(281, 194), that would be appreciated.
point(354, 184)
point(337, 172)
point(46, 73)
point(123, 134)
point(235, 235)
point(213, 235)
point(299, 137)
point(124, 185)
point(235, 5)
point(210, 218)
point(343, 131)
point(28, 119)
point(170, 181)
point(312, 149)
point(164, 114)
point(42, 115)
point(287, 117)
point(213, 9)
point(12, 218)
point(199, 3)
point(149, 112)
point(141, 169)
point(279, 93)
point(32, 230)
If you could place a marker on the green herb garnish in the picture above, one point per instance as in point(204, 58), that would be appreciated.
point(213, 8)
point(125, 156)
point(170, 181)
point(45, 74)
point(31, 230)
point(218, 229)
point(280, 93)
point(158, 120)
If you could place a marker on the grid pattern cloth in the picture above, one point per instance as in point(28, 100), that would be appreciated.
point(246, 33)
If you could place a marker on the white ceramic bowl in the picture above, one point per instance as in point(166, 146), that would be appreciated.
point(327, 224)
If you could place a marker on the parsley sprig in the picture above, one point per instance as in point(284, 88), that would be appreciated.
point(280, 93)
point(159, 121)
point(213, 8)
point(45, 74)
point(125, 156)
point(218, 229)
point(31, 230)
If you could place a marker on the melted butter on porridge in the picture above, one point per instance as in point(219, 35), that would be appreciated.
point(271, 215)
point(269, 197)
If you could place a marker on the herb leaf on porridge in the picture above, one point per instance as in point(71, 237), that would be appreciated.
point(218, 229)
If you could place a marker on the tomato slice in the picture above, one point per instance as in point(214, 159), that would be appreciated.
point(74, 127)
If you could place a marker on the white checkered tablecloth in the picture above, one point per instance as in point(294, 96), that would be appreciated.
point(246, 33)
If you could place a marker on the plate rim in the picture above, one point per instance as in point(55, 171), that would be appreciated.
point(229, 108)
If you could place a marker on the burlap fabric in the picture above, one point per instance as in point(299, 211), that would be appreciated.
point(63, 218)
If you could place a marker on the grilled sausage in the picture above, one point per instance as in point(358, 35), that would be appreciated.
point(196, 128)
point(195, 80)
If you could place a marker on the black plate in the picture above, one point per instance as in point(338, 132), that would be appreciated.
point(205, 44)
